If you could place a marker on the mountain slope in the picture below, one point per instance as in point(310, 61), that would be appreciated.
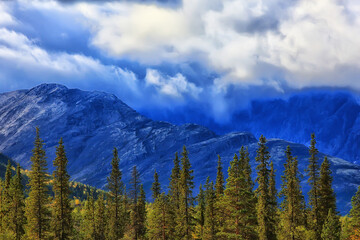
point(333, 116)
point(92, 123)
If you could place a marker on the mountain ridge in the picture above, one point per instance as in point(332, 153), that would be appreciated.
point(92, 123)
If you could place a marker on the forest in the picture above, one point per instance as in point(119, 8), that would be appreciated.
point(51, 207)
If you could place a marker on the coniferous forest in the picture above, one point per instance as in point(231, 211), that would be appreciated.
point(239, 207)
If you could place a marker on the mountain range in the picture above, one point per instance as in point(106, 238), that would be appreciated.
point(93, 123)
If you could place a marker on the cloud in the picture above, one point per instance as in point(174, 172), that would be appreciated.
point(308, 42)
point(173, 86)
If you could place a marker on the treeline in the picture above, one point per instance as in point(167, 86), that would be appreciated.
point(237, 208)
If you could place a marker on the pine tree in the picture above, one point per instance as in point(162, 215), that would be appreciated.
point(100, 218)
point(292, 210)
point(210, 224)
point(174, 190)
point(238, 202)
point(37, 204)
point(141, 208)
point(313, 180)
point(7, 199)
point(156, 189)
point(355, 211)
point(117, 209)
point(262, 192)
point(200, 214)
point(219, 184)
point(17, 208)
point(138, 212)
point(88, 226)
point(273, 207)
point(160, 219)
point(327, 198)
point(186, 185)
point(332, 227)
point(61, 219)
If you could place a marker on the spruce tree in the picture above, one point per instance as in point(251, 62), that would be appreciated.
point(292, 206)
point(117, 209)
point(174, 190)
point(273, 207)
point(156, 189)
point(355, 211)
point(17, 209)
point(219, 184)
point(37, 204)
point(210, 224)
point(314, 195)
point(61, 219)
point(332, 227)
point(238, 202)
point(200, 214)
point(89, 226)
point(186, 185)
point(262, 191)
point(327, 198)
point(160, 219)
point(138, 212)
point(100, 218)
point(7, 199)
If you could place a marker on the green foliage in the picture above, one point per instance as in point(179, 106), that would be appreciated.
point(100, 218)
point(313, 172)
point(156, 189)
point(186, 184)
point(61, 213)
point(219, 184)
point(161, 219)
point(327, 200)
point(262, 191)
point(292, 212)
point(117, 214)
point(89, 225)
point(200, 214)
point(211, 223)
point(238, 202)
point(332, 227)
point(37, 204)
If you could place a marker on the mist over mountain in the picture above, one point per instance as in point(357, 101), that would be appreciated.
point(92, 123)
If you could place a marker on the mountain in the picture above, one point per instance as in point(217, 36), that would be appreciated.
point(334, 116)
point(92, 123)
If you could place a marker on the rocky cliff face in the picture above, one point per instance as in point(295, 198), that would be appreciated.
point(92, 123)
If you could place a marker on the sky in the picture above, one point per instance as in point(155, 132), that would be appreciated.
point(182, 60)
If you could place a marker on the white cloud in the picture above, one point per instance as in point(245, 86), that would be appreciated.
point(174, 86)
point(308, 41)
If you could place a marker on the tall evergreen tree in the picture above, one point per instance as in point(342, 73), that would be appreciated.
point(219, 184)
point(200, 214)
point(273, 206)
point(61, 219)
point(138, 212)
point(186, 186)
point(327, 198)
point(292, 206)
point(262, 191)
point(117, 210)
point(17, 208)
point(332, 227)
point(210, 224)
point(160, 219)
point(355, 211)
point(174, 190)
point(6, 200)
point(313, 172)
point(156, 189)
point(89, 226)
point(37, 204)
point(100, 218)
point(238, 203)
